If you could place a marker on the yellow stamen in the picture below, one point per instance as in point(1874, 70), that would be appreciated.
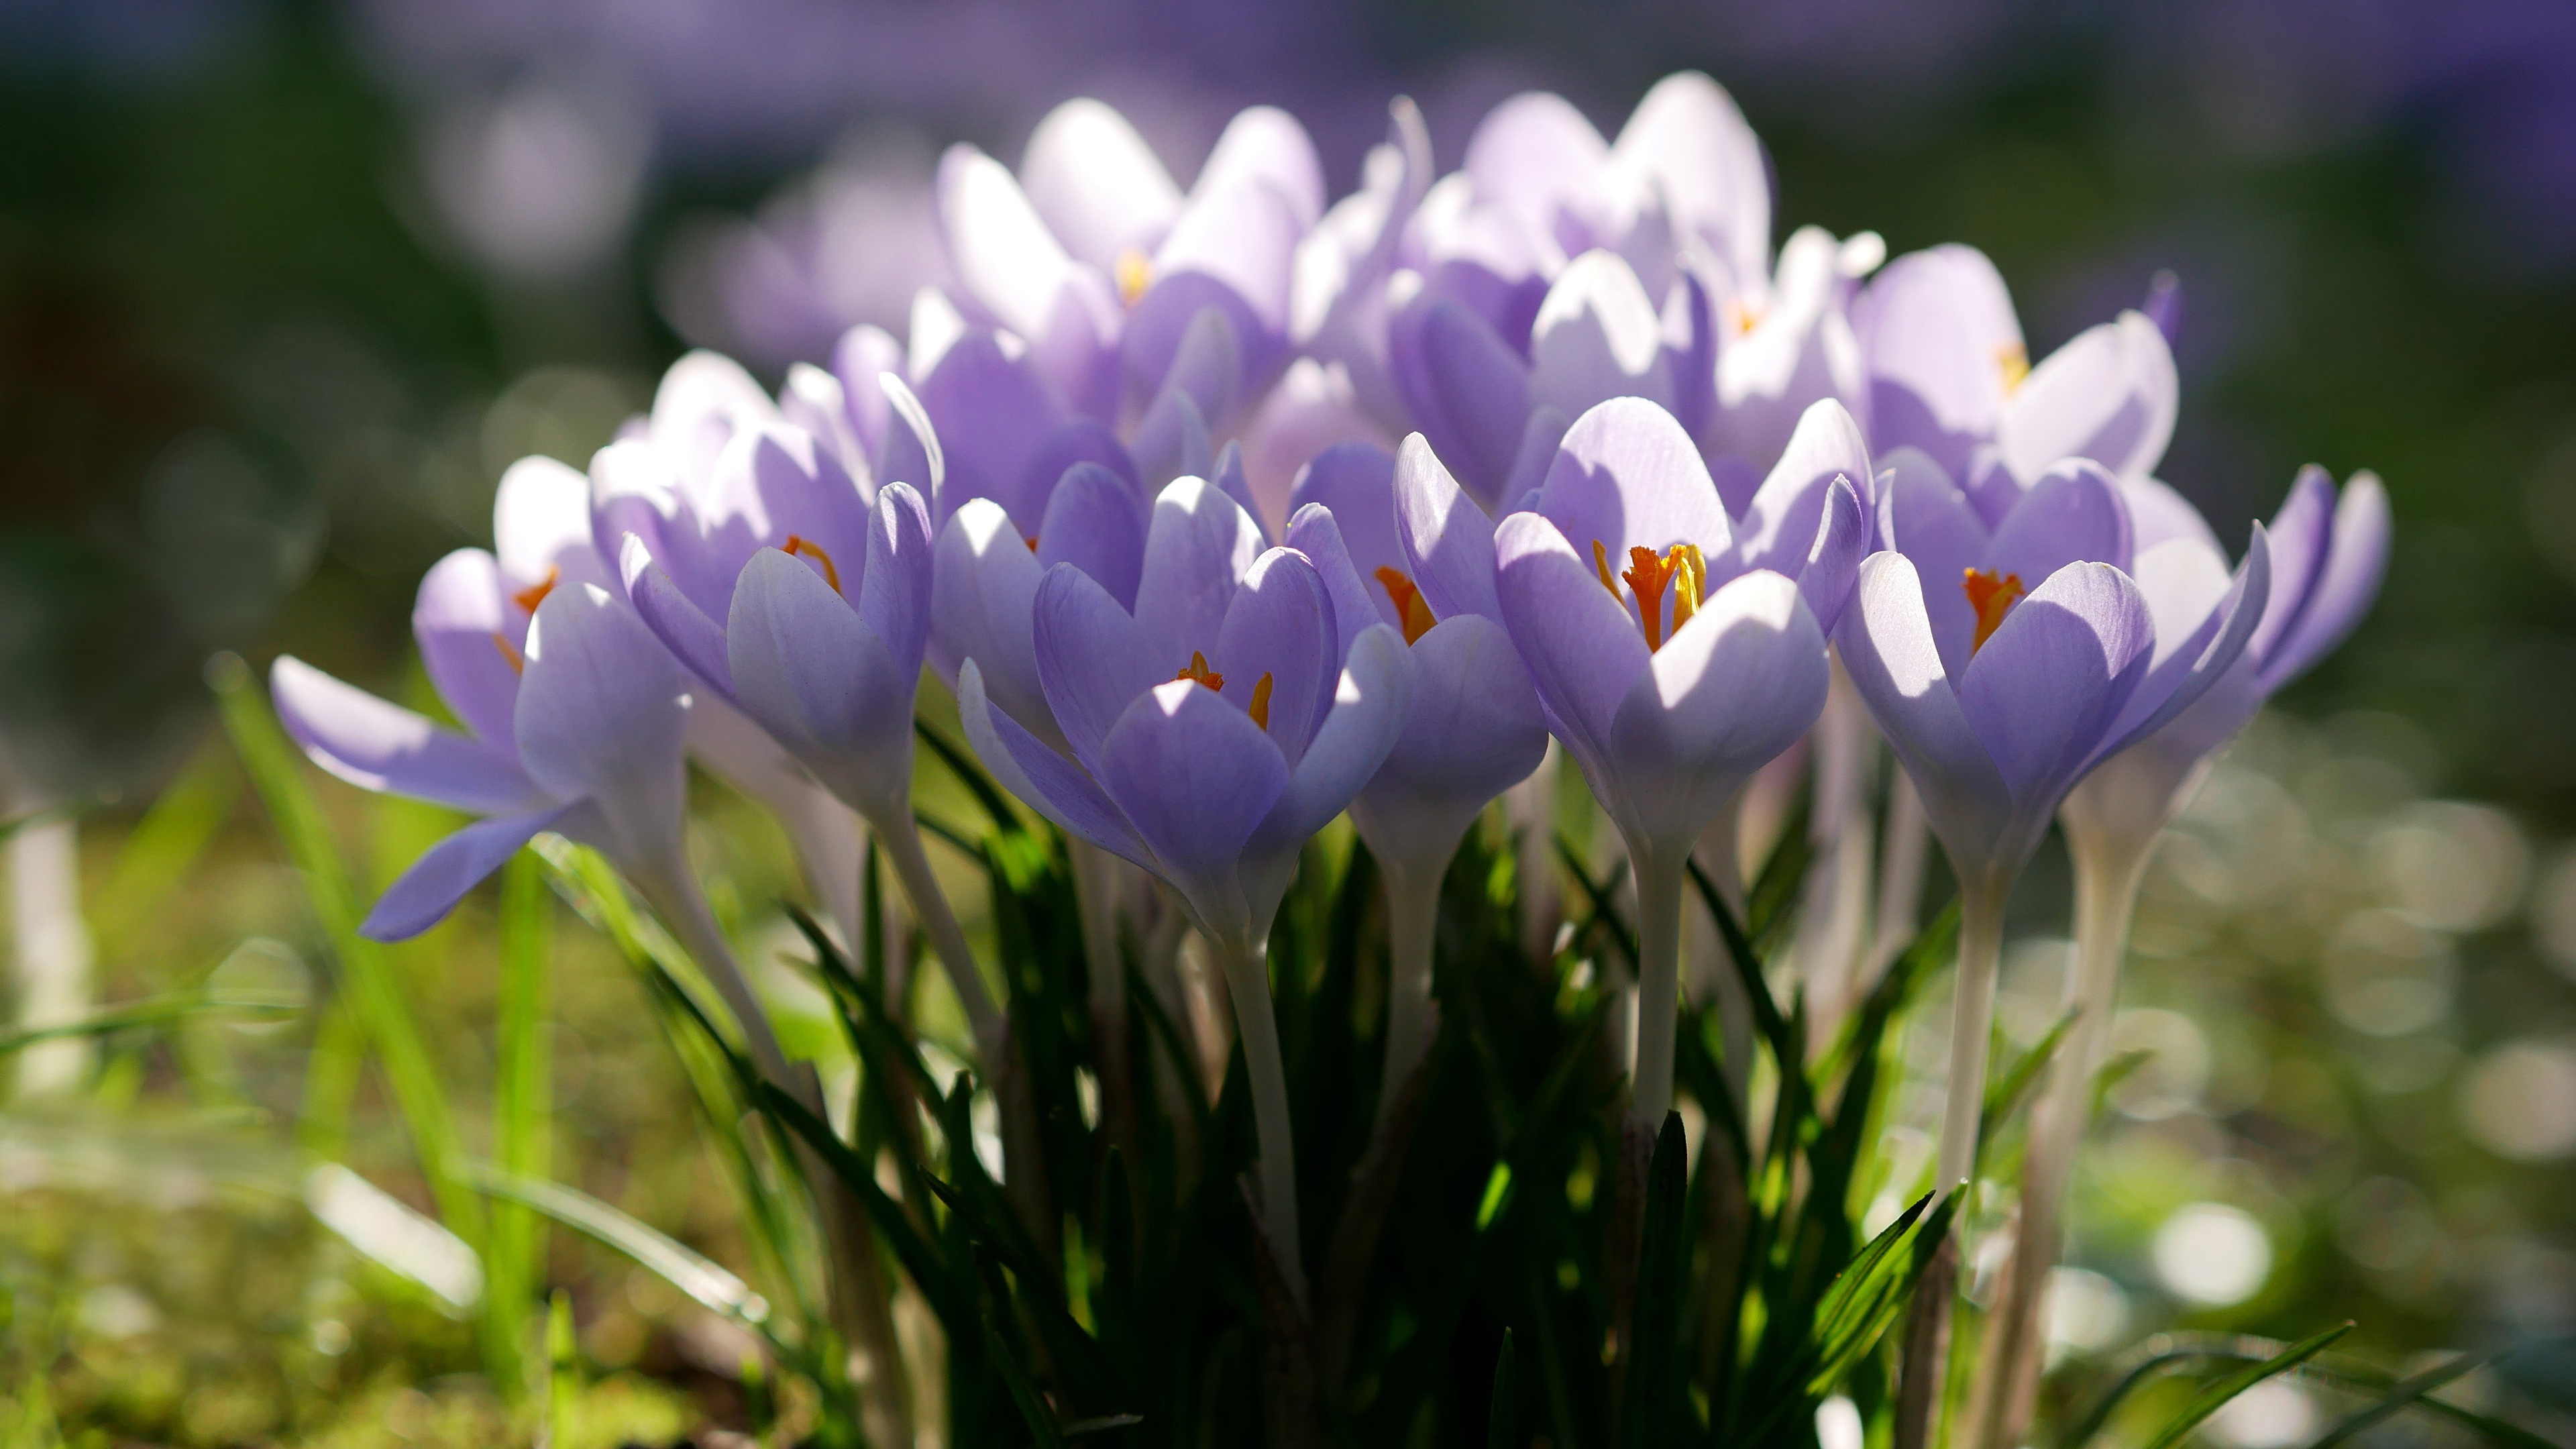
point(798, 543)
point(1409, 608)
point(535, 594)
point(518, 662)
point(1992, 598)
point(1601, 562)
point(1260, 710)
point(2013, 361)
point(1200, 672)
point(1135, 276)
point(1741, 317)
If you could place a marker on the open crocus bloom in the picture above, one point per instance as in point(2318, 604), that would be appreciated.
point(1214, 726)
point(579, 731)
point(2005, 664)
point(1093, 255)
point(1949, 374)
point(1472, 729)
point(2326, 557)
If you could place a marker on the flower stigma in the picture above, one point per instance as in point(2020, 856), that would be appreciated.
point(535, 594)
point(1409, 608)
point(1135, 276)
point(1199, 672)
point(1647, 575)
point(798, 544)
point(1992, 598)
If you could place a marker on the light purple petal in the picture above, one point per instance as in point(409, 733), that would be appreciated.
point(541, 525)
point(1688, 136)
point(1045, 780)
point(994, 413)
point(1078, 440)
point(1780, 529)
point(376, 745)
point(602, 713)
point(2302, 539)
point(1448, 540)
point(1370, 699)
point(2073, 513)
point(893, 597)
point(2351, 581)
point(2158, 513)
point(1597, 337)
point(2109, 395)
point(1472, 729)
point(983, 599)
point(817, 677)
point(865, 353)
point(1925, 517)
point(1842, 541)
point(1232, 251)
point(1231, 482)
point(2045, 690)
point(1583, 648)
point(1093, 660)
point(470, 633)
point(1097, 184)
point(2192, 655)
point(1265, 145)
point(1096, 522)
point(1172, 441)
point(1467, 388)
point(1532, 154)
point(1005, 256)
point(1195, 777)
point(1357, 602)
point(1940, 343)
point(1886, 646)
point(452, 868)
point(694, 639)
point(1357, 482)
point(815, 401)
point(1198, 547)
point(1743, 680)
point(703, 400)
point(633, 489)
point(1629, 477)
point(1281, 626)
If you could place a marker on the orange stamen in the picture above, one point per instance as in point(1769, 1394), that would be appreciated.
point(1992, 598)
point(535, 594)
point(1260, 710)
point(1648, 574)
point(1135, 276)
point(518, 662)
point(1032, 542)
point(1200, 672)
point(2013, 361)
point(1414, 614)
point(799, 544)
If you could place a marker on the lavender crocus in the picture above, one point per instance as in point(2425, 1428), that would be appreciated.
point(1096, 258)
point(1472, 727)
point(1949, 374)
point(1671, 655)
point(1212, 729)
point(805, 604)
point(1999, 697)
point(2326, 556)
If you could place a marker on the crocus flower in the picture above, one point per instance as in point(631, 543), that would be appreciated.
point(1096, 258)
point(1472, 727)
point(1670, 655)
point(1212, 729)
point(1949, 374)
point(2000, 695)
point(2326, 557)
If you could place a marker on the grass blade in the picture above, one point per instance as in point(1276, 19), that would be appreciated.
point(154, 1011)
point(1655, 1375)
point(1502, 1420)
point(707, 1283)
point(2406, 1392)
point(522, 1097)
point(2215, 1396)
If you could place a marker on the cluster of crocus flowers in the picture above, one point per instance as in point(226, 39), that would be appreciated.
point(1225, 511)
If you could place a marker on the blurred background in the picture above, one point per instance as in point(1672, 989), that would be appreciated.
point(285, 286)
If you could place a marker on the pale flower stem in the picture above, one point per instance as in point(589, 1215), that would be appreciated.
point(52, 948)
point(1532, 806)
point(1412, 916)
point(1659, 952)
point(1096, 891)
point(1907, 850)
point(1972, 1012)
point(901, 840)
point(2107, 876)
point(1247, 979)
point(1720, 853)
point(684, 909)
point(1833, 914)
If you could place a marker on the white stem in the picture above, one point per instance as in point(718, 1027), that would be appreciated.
point(1413, 917)
point(1720, 853)
point(2108, 872)
point(1833, 910)
point(1900, 879)
point(683, 907)
point(900, 838)
point(1095, 886)
point(53, 950)
point(1659, 877)
point(1247, 979)
point(1972, 1011)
